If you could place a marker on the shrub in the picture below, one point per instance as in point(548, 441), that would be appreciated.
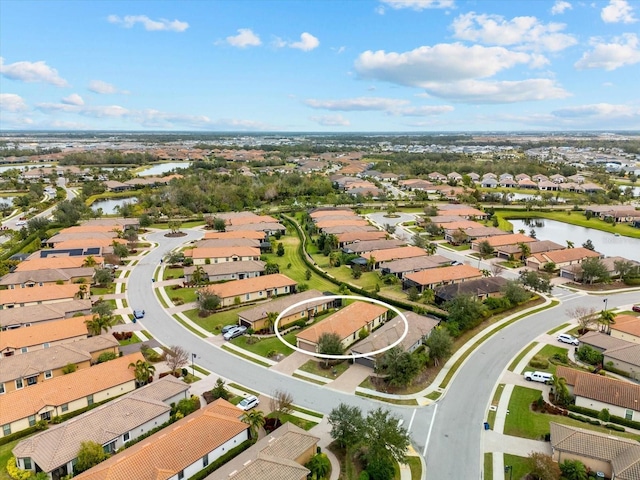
point(539, 362)
point(612, 426)
point(177, 301)
point(70, 368)
point(15, 472)
point(604, 415)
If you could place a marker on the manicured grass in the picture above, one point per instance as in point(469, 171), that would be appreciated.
point(297, 421)
point(491, 416)
point(307, 379)
point(189, 327)
point(367, 281)
point(574, 218)
point(266, 345)
point(395, 401)
point(519, 464)
point(488, 465)
point(165, 226)
point(434, 395)
point(521, 355)
point(187, 295)
point(298, 268)
point(314, 367)
point(170, 273)
point(557, 329)
point(129, 341)
point(214, 322)
point(308, 412)
point(548, 351)
point(416, 467)
point(160, 298)
point(147, 334)
point(5, 455)
point(523, 422)
point(246, 357)
point(104, 291)
point(244, 389)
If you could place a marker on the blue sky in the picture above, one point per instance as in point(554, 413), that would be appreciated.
point(320, 65)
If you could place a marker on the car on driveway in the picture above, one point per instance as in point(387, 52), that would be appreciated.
point(234, 332)
point(249, 402)
point(226, 328)
point(138, 314)
point(21, 223)
point(636, 308)
point(570, 339)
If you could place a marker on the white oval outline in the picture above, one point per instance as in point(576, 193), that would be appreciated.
point(342, 357)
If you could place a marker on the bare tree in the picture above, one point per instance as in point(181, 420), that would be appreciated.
point(281, 402)
point(176, 358)
point(496, 269)
point(585, 316)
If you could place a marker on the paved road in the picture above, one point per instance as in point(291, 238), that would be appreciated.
point(455, 446)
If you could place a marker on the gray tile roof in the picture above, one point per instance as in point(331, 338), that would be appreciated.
point(46, 276)
point(229, 267)
point(43, 313)
point(370, 245)
point(602, 341)
point(415, 264)
point(279, 304)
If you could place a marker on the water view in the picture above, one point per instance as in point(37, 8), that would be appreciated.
point(109, 205)
point(559, 232)
point(163, 168)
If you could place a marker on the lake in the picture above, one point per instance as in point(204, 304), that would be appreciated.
point(163, 168)
point(109, 205)
point(559, 232)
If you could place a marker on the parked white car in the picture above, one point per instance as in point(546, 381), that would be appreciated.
point(570, 339)
point(249, 402)
point(542, 377)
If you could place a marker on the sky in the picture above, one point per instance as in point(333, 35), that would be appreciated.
point(320, 65)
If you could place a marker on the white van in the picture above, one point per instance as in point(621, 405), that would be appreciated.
point(542, 377)
point(570, 339)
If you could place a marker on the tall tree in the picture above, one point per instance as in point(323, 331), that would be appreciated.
point(143, 371)
point(570, 244)
point(606, 319)
point(330, 343)
point(573, 470)
point(176, 357)
point(584, 316)
point(485, 249)
point(384, 437)
point(270, 320)
point(588, 245)
point(400, 367)
point(346, 424)
point(594, 269)
point(525, 250)
point(90, 454)
point(542, 466)
point(440, 344)
point(207, 301)
point(431, 248)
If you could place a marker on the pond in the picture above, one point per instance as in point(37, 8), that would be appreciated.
point(108, 205)
point(525, 196)
point(559, 232)
point(636, 190)
point(163, 168)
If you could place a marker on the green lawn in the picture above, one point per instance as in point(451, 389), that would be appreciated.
point(368, 280)
point(213, 323)
point(299, 422)
point(187, 295)
point(521, 355)
point(191, 224)
point(170, 273)
point(548, 351)
point(5, 454)
point(267, 345)
point(488, 465)
point(522, 422)
point(129, 341)
point(312, 366)
point(104, 291)
point(519, 464)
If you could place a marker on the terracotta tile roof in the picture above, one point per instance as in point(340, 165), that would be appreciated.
point(46, 293)
point(60, 444)
point(43, 313)
point(237, 234)
point(602, 389)
point(67, 328)
point(90, 228)
point(279, 304)
point(250, 220)
point(47, 276)
point(60, 390)
point(344, 322)
point(360, 236)
point(627, 324)
point(444, 274)
point(249, 285)
point(534, 247)
point(371, 245)
point(90, 242)
point(336, 211)
point(54, 262)
point(113, 222)
point(416, 263)
point(463, 224)
point(338, 229)
point(227, 242)
point(511, 239)
point(629, 353)
point(566, 255)
point(228, 267)
point(441, 219)
point(322, 224)
point(623, 454)
point(61, 238)
point(257, 227)
point(222, 252)
point(463, 211)
point(395, 253)
point(167, 452)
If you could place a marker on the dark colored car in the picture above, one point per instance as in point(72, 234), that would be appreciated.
point(636, 308)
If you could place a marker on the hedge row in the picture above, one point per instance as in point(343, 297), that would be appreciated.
point(613, 418)
point(230, 455)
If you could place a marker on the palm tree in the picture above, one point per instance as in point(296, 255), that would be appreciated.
point(98, 323)
point(82, 291)
point(431, 248)
point(525, 250)
point(255, 419)
point(569, 244)
point(561, 394)
point(606, 319)
point(371, 262)
point(89, 261)
point(142, 370)
point(198, 276)
point(270, 321)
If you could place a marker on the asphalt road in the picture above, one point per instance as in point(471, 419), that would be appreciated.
point(455, 443)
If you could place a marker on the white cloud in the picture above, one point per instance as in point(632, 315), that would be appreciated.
point(331, 120)
point(245, 38)
point(10, 102)
point(31, 72)
point(95, 111)
point(560, 6)
point(622, 51)
point(307, 42)
point(528, 33)
point(489, 92)
point(600, 110)
point(417, 4)
point(103, 88)
point(159, 119)
point(390, 106)
point(440, 63)
point(73, 99)
point(618, 11)
point(150, 25)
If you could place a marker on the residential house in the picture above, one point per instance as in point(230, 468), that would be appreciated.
point(266, 228)
point(480, 288)
point(112, 425)
point(474, 176)
point(90, 237)
point(615, 457)
point(596, 392)
point(508, 183)
point(381, 256)
point(115, 186)
point(227, 243)
point(372, 245)
point(43, 335)
point(502, 240)
point(416, 184)
point(27, 316)
point(203, 256)
point(53, 263)
point(24, 297)
point(279, 455)
point(623, 355)
point(253, 289)
point(418, 329)
point(437, 177)
point(226, 271)
point(527, 183)
point(548, 185)
point(574, 272)
point(237, 234)
point(32, 368)
point(34, 278)
point(557, 178)
point(432, 278)
point(454, 176)
point(540, 246)
point(562, 258)
point(627, 327)
point(119, 223)
point(359, 236)
point(522, 176)
point(505, 176)
point(181, 451)
point(539, 177)
point(67, 393)
point(589, 187)
point(322, 212)
point(249, 220)
point(400, 268)
point(489, 175)
point(489, 183)
point(347, 323)
point(323, 224)
point(315, 302)
point(464, 211)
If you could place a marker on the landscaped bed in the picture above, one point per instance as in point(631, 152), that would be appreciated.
point(317, 368)
point(266, 347)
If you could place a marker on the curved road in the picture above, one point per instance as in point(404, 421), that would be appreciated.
point(455, 445)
